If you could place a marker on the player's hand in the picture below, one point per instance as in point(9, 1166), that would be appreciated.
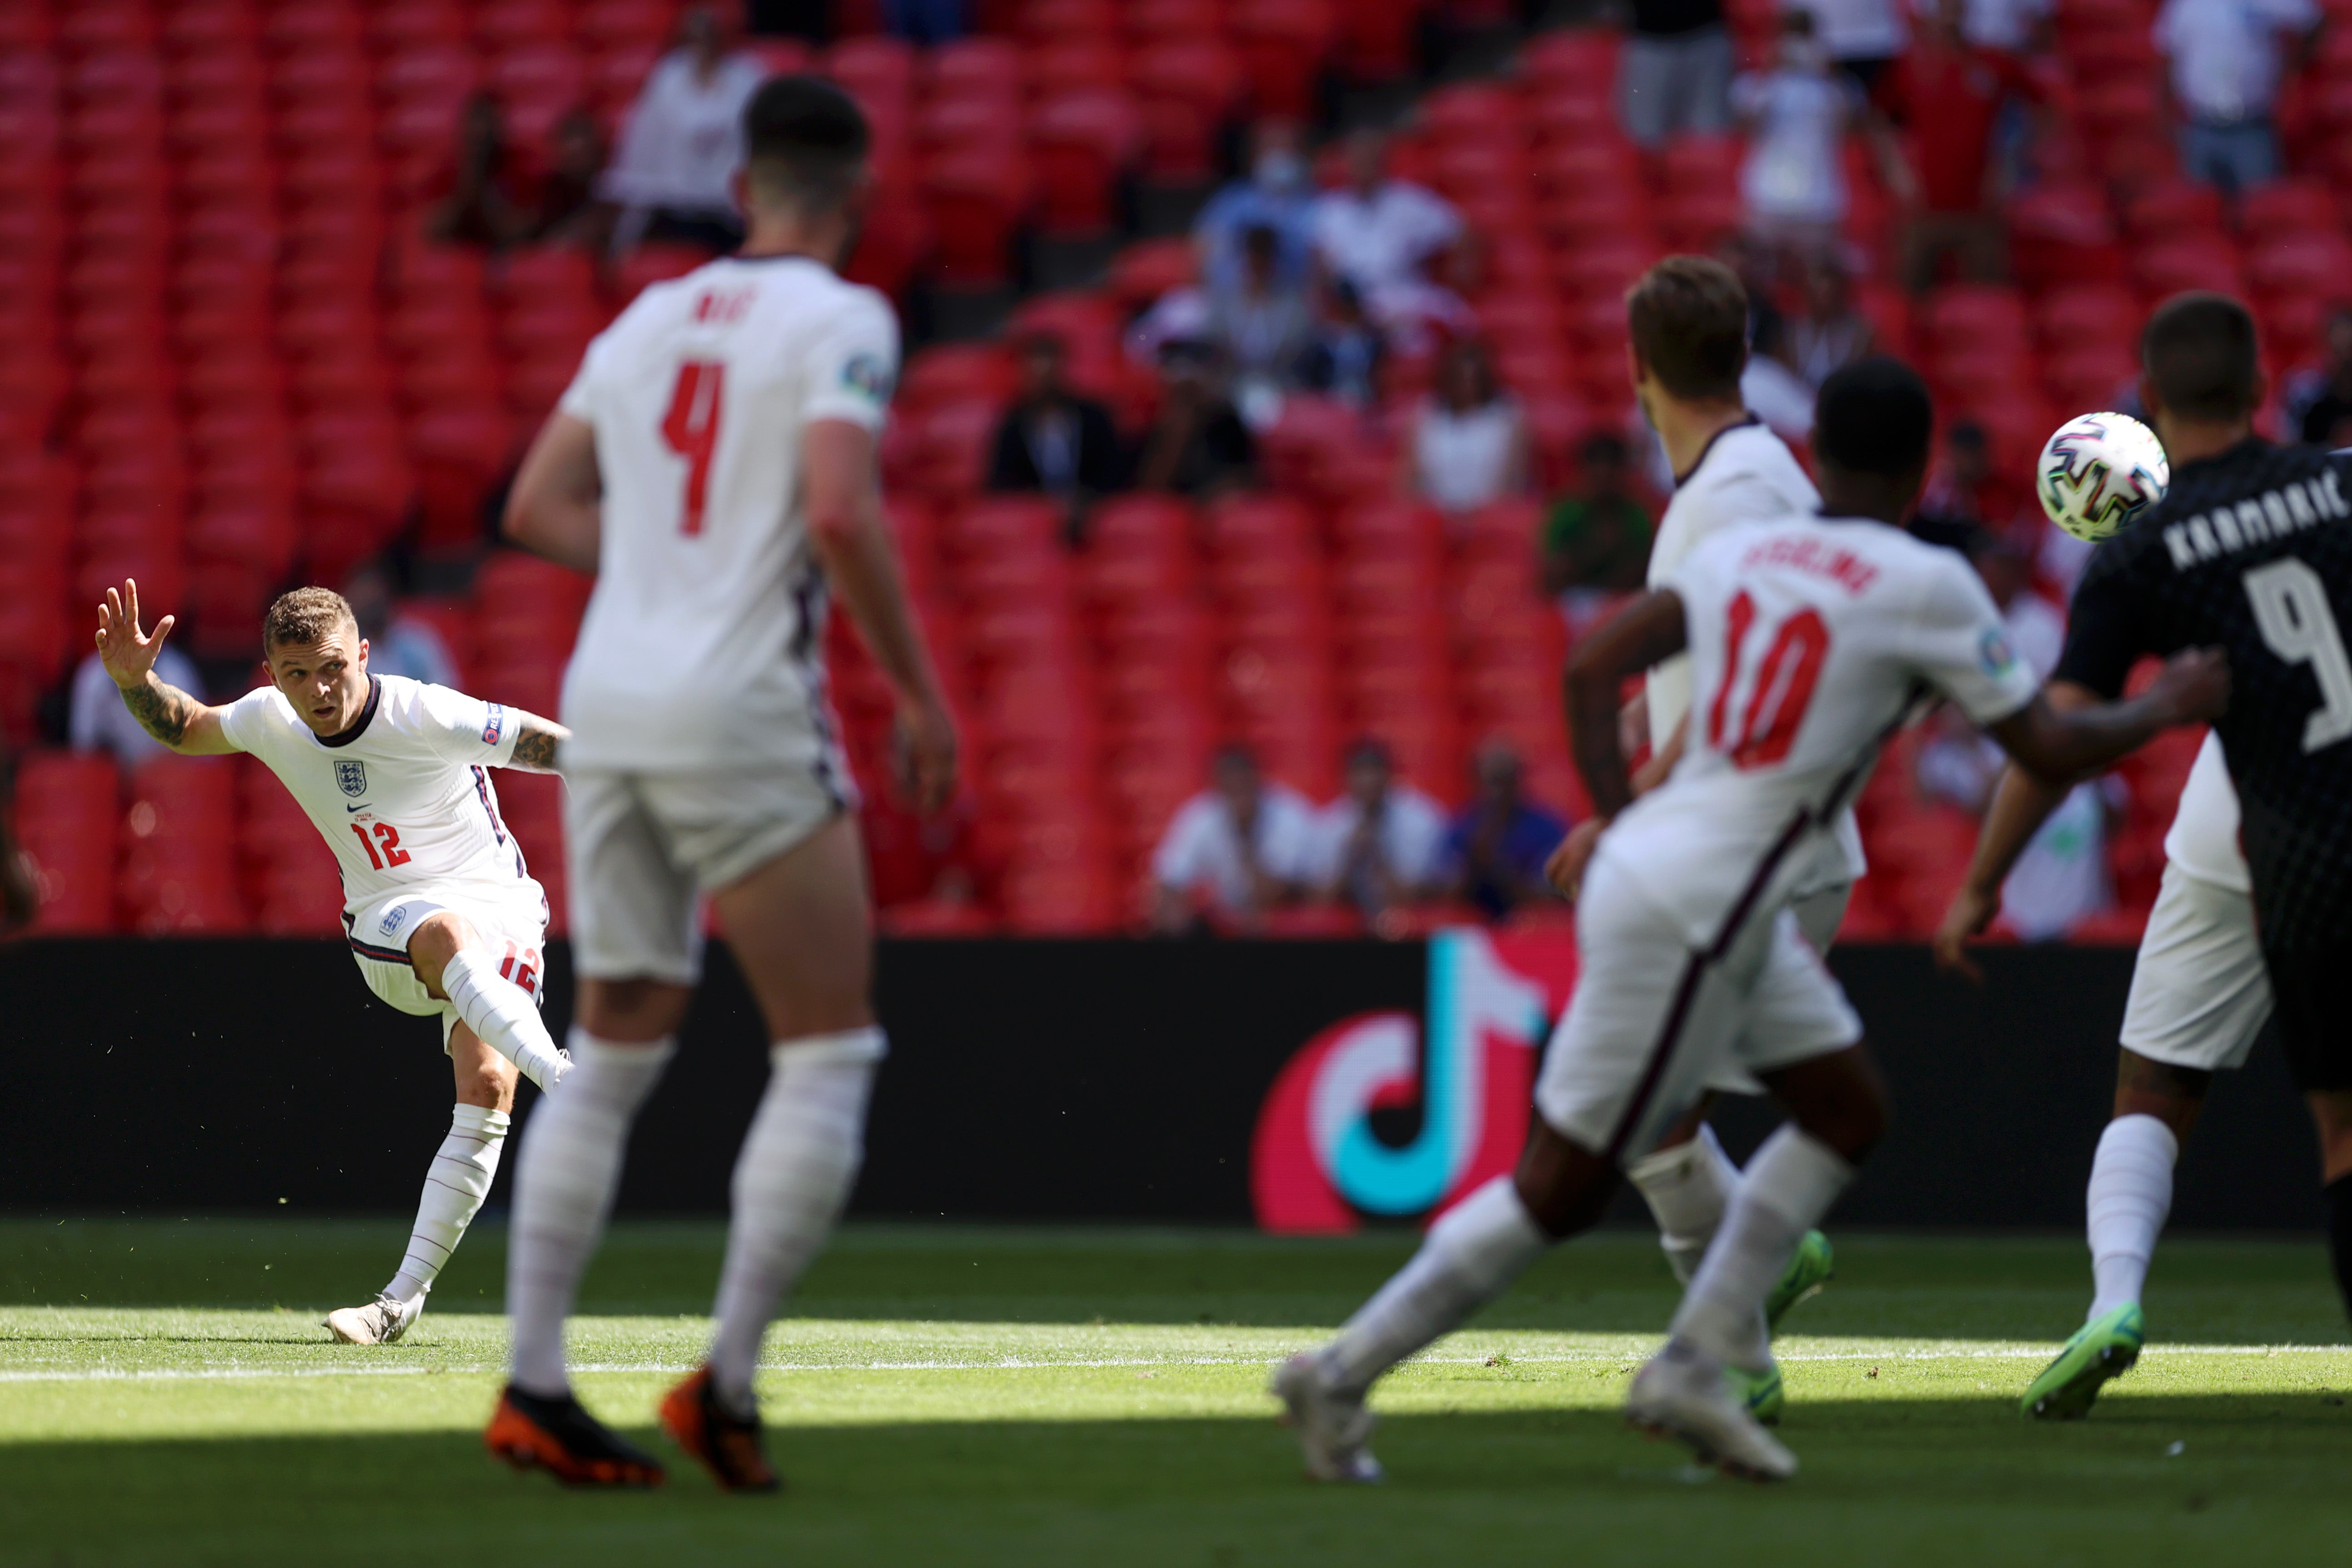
point(926, 755)
point(128, 653)
point(2194, 685)
point(1972, 909)
point(1565, 869)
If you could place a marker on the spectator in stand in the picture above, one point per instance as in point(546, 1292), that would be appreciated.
point(2318, 401)
point(1596, 542)
point(1261, 323)
point(1824, 333)
point(684, 141)
point(1469, 437)
point(1375, 232)
point(1344, 356)
point(1792, 184)
point(1197, 446)
point(1949, 94)
point(1278, 194)
point(480, 208)
point(1674, 76)
point(20, 892)
point(1862, 36)
point(398, 643)
point(568, 212)
point(924, 22)
point(1494, 851)
point(1239, 848)
point(1381, 844)
point(1055, 440)
point(2061, 879)
point(1771, 387)
point(2228, 59)
point(96, 720)
point(2018, 28)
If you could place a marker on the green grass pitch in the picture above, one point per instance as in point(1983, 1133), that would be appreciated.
point(1033, 1396)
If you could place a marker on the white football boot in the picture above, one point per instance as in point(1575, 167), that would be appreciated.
point(380, 1322)
point(1685, 1393)
point(1331, 1427)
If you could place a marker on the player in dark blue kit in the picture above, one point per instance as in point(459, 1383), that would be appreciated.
point(2251, 550)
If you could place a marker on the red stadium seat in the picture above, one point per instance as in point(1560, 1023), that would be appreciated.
point(614, 23)
point(1283, 45)
point(68, 816)
point(1080, 144)
point(1188, 90)
point(2172, 209)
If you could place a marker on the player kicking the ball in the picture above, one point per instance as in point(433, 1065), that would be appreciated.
point(441, 913)
point(713, 464)
point(1810, 640)
point(2249, 546)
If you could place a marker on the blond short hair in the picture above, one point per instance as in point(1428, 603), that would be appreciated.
point(303, 616)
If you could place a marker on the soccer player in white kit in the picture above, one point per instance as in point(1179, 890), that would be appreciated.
point(1810, 640)
point(1687, 321)
point(713, 464)
point(440, 910)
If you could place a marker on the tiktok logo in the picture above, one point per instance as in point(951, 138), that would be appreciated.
point(1317, 1164)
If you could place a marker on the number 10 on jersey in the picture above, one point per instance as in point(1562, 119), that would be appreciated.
point(691, 429)
point(1785, 677)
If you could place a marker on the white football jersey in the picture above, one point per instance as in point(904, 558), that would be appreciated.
point(1746, 474)
point(1810, 640)
point(2203, 840)
point(402, 797)
point(702, 644)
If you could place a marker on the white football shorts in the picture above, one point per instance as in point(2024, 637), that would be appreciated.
point(645, 848)
point(514, 924)
point(1656, 1022)
point(1819, 914)
point(2199, 993)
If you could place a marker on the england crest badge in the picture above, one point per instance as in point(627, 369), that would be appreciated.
point(352, 777)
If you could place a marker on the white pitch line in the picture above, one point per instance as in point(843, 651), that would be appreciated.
point(168, 1374)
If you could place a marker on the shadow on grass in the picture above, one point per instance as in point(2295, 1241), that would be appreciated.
point(1909, 1481)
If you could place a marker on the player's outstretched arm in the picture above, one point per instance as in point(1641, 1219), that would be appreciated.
point(2062, 745)
point(556, 507)
point(189, 727)
point(539, 743)
point(843, 494)
point(2021, 803)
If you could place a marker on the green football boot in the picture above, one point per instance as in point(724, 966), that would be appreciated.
point(2103, 1348)
point(1761, 1391)
point(1814, 1266)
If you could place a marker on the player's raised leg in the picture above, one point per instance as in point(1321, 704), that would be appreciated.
point(454, 1185)
point(458, 964)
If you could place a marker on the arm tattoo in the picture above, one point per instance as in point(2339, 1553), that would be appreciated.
point(535, 746)
point(163, 710)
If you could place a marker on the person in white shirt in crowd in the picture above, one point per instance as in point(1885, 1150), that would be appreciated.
point(1238, 848)
point(1381, 843)
point(1261, 322)
point(1278, 194)
point(2227, 59)
point(2060, 880)
point(96, 720)
point(1375, 232)
point(1825, 333)
point(1674, 76)
point(398, 643)
point(684, 141)
point(1862, 36)
point(2013, 27)
point(1796, 116)
point(1469, 438)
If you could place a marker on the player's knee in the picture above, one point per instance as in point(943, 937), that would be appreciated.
point(1565, 1188)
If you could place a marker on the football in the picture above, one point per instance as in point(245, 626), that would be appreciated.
point(2098, 471)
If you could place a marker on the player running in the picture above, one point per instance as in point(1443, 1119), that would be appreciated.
point(2247, 549)
point(1810, 639)
point(714, 464)
point(1687, 323)
point(443, 918)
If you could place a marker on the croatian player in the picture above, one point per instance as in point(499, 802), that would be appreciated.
point(443, 918)
point(2210, 562)
point(1812, 639)
point(714, 464)
point(1686, 321)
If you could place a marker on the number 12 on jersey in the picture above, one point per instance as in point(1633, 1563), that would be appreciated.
point(1785, 677)
point(691, 429)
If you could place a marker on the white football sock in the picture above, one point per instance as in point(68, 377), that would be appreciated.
point(503, 1014)
point(1784, 1193)
point(1467, 1259)
point(798, 1162)
point(2130, 1195)
point(1688, 1186)
point(454, 1185)
point(565, 1181)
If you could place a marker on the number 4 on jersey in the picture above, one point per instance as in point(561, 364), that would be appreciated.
point(1785, 679)
point(691, 428)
